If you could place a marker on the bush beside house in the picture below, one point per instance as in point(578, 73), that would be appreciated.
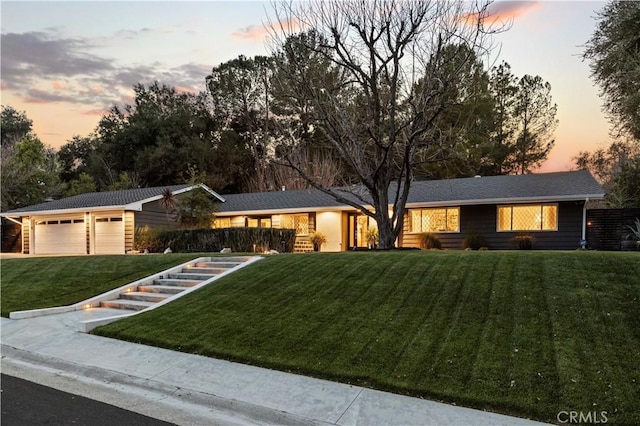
point(247, 240)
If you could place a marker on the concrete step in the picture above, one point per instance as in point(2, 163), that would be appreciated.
point(238, 259)
point(176, 282)
point(191, 276)
point(208, 271)
point(145, 296)
point(166, 289)
point(132, 305)
point(227, 265)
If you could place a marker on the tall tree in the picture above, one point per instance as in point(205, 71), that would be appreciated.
point(614, 54)
point(78, 156)
point(535, 115)
point(613, 168)
point(30, 175)
point(240, 92)
point(157, 135)
point(466, 122)
point(501, 146)
point(626, 186)
point(14, 126)
point(371, 108)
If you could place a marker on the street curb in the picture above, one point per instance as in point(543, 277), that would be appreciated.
point(189, 401)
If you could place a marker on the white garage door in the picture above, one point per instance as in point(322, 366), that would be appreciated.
point(109, 235)
point(60, 236)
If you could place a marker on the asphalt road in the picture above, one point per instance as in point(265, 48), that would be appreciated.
point(29, 404)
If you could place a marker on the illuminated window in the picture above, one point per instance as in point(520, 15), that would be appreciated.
point(435, 220)
point(299, 222)
point(259, 222)
point(222, 222)
point(538, 217)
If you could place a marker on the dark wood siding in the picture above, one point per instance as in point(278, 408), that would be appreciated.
point(11, 237)
point(608, 228)
point(482, 219)
point(154, 215)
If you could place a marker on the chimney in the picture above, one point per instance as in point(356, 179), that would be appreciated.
point(284, 188)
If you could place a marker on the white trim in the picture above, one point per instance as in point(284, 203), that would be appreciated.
point(415, 205)
point(299, 210)
point(13, 220)
point(584, 219)
point(137, 206)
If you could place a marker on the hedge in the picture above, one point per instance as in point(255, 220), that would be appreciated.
point(246, 240)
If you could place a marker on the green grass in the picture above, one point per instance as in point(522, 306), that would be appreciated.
point(44, 282)
point(523, 333)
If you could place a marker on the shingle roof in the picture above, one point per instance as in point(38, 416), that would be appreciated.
point(576, 185)
point(99, 199)
point(559, 185)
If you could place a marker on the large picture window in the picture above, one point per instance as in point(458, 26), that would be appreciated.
point(222, 222)
point(536, 217)
point(435, 220)
point(258, 222)
point(299, 222)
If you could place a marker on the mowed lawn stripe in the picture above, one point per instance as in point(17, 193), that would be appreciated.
point(593, 324)
point(525, 333)
point(44, 282)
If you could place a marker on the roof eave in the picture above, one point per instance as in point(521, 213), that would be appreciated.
point(137, 206)
point(64, 211)
point(510, 200)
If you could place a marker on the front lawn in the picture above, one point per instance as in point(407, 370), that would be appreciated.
point(524, 333)
point(44, 282)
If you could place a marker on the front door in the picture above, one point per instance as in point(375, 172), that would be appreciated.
point(357, 226)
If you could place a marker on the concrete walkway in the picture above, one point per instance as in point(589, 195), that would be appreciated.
point(194, 390)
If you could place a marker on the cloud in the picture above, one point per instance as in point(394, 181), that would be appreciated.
point(73, 74)
point(511, 10)
point(501, 13)
point(259, 32)
point(98, 112)
point(37, 53)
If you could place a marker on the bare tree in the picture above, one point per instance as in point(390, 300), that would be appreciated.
point(382, 86)
point(321, 166)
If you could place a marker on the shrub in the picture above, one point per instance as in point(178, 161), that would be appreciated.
point(430, 241)
point(474, 242)
point(213, 240)
point(317, 239)
point(524, 241)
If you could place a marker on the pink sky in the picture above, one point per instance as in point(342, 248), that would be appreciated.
point(65, 66)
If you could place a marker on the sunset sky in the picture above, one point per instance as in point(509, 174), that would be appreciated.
point(66, 63)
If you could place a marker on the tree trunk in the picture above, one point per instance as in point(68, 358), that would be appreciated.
point(386, 236)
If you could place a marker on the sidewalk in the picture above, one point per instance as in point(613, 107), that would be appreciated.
point(194, 390)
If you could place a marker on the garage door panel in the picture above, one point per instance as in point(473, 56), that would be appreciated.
point(109, 235)
point(64, 236)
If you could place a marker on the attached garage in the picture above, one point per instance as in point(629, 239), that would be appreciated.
point(96, 222)
point(63, 235)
